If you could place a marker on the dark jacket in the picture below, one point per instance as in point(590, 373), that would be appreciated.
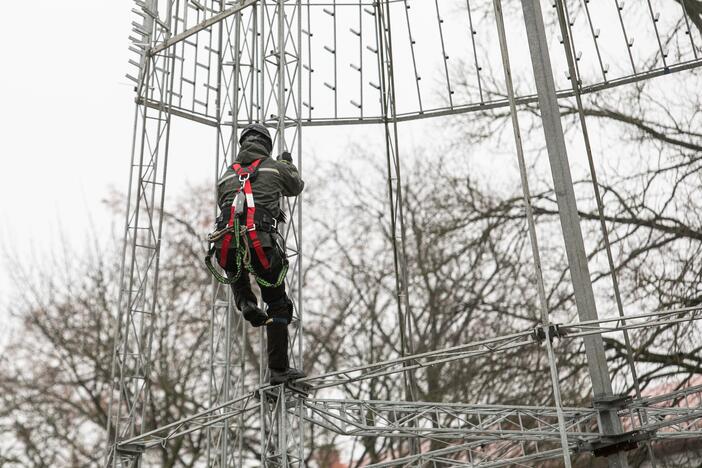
point(273, 180)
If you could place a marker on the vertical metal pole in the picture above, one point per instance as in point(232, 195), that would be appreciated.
point(263, 410)
point(226, 375)
point(279, 94)
point(144, 226)
point(236, 91)
point(569, 46)
point(298, 265)
point(282, 428)
point(394, 181)
point(502, 36)
point(226, 351)
point(280, 111)
point(230, 150)
point(395, 187)
point(568, 213)
point(281, 416)
point(260, 33)
point(122, 313)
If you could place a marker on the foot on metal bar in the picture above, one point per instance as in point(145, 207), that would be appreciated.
point(285, 376)
point(288, 379)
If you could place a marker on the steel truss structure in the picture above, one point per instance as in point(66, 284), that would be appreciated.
point(675, 414)
point(224, 64)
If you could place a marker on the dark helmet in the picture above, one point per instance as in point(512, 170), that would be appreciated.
point(255, 129)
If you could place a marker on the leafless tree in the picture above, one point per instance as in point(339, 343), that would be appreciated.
point(55, 373)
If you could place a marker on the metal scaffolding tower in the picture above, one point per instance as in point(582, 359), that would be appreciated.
point(223, 64)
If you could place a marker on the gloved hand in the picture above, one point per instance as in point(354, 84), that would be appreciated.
point(285, 156)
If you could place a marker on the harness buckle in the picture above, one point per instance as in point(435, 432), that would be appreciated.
point(244, 177)
point(252, 228)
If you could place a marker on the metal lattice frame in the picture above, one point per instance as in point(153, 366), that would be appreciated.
point(225, 64)
point(394, 181)
point(675, 414)
point(131, 360)
point(228, 336)
point(282, 425)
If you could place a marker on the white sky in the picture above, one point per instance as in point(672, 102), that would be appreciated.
point(65, 125)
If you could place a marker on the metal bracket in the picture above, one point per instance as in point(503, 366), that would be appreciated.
point(132, 450)
point(614, 443)
point(610, 444)
point(611, 402)
point(554, 331)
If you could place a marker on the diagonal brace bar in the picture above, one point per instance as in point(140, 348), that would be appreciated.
point(199, 27)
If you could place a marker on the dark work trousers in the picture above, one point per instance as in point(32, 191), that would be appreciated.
point(279, 305)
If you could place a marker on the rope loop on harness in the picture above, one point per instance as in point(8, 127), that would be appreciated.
point(241, 238)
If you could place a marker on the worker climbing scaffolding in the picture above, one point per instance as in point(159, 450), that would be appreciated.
point(247, 244)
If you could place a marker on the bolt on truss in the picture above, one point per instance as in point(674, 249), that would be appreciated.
point(224, 64)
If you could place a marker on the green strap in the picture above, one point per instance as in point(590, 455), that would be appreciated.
point(264, 283)
point(216, 274)
point(239, 261)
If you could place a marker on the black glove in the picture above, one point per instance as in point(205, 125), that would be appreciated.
point(285, 156)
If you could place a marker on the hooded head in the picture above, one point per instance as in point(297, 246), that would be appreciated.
point(256, 132)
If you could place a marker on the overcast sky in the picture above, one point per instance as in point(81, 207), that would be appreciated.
point(65, 121)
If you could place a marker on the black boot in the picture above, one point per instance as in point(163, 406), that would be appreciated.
point(253, 314)
point(279, 376)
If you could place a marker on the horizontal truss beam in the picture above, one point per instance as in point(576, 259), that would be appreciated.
point(446, 111)
point(441, 458)
point(576, 329)
point(493, 422)
point(673, 419)
point(472, 425)
point(448, 421)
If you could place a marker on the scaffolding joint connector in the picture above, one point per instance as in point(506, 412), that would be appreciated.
point(611, 402)
point(611, 444)
point(552, 330)
point(130, 449)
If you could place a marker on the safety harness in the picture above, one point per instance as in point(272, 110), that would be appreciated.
point(234, 238)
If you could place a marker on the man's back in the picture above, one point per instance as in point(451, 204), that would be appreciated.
point(273, 179)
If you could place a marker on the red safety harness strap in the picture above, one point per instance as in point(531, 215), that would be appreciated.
point(245, 174)
point(227, 239)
